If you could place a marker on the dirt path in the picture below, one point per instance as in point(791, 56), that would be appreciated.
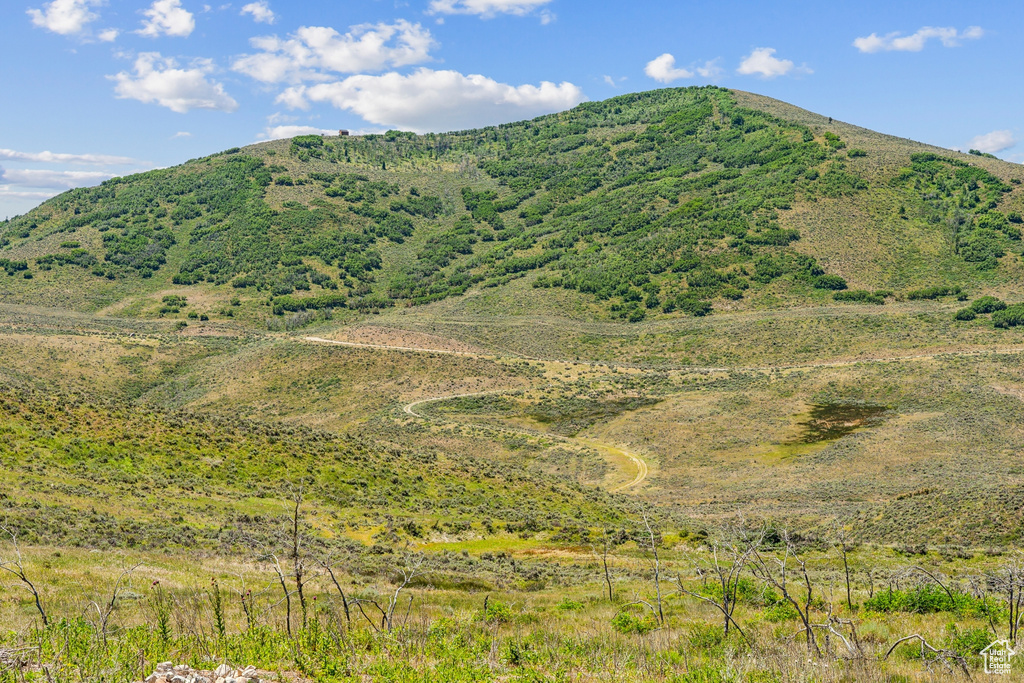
point(692, 368)
point(640, 464)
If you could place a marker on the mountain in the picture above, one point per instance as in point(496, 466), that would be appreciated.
point(657, 205)
point(707, 292)
point(497, 404)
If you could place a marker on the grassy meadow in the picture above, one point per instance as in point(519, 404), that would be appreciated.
point(689, 385)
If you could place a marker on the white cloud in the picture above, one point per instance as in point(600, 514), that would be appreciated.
point(108, 35)
point(52, 157)
point(547, 17)
point(663, 69)
point(428, 100)
point(66, 17)
point(949, 37)
point(711, 69)
point(159, 80)
point(763, 62)
point(167, 18)
point(54, 179)
point(488, 8)
point(314, 49)
point(181, 134)
point(994, 142)
point(6, 191)
point(278, 132)
point(260, 11)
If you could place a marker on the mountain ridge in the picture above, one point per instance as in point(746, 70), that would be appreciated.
point(655, 204)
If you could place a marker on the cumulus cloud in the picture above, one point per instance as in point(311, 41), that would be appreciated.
point(260, 11)
point(428, 100)
point(663, 69)
point(57, 180)
point(167, 18)
point(763, 62)
point(994, 142)
point(66, 17)
point(311, 50)
point(7, 191)
point(949, 37)
point(488, 9)
point(159, 80)
point(710, 69)
point(108, 35)
point(278, 132)
point(53, 157)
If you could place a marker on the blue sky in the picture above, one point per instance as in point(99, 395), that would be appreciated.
point(96, 88)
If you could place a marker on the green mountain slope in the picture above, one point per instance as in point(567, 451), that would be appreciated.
point(655, 205)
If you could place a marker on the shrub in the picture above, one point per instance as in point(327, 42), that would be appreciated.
point(987, 304)
point(569, 605)
point(854, 153)
point(930, 598)
point(967, 643)
point(497, 612)
point(1011, 316)
point(965, 314)
point(861, 295)
point(833, 282)
point(626, 623)
point(934, 292)
point(705, 636)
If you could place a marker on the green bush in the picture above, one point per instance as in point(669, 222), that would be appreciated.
point(930, 598)
point(1011, 316)
point(934, 292)
point(833, 282)
point(987, 304)
point(626, 623)
point(965, 314)
point(860, 295)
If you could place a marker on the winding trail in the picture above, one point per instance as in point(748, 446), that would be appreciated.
point(640, 464)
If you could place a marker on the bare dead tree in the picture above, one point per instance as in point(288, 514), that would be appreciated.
point(603, 553)
point(104, 612)
point(843, 543)
point(731, 553)
point(934, 577)
point(414, 568)
point(776, 569)
point(655, 561)
point(328, 567)
point(287, 593)
point(1008, 581)
point(16, 567)
point(298, 565)
point(947, 657)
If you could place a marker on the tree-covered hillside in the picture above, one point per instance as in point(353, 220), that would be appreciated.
point(669, 203)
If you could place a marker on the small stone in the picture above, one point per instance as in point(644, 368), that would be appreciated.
point(222, 671)
point(164, 666)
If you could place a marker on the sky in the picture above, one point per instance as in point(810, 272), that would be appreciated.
point(99, 88)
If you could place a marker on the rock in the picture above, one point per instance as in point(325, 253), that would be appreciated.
point(222, 671)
